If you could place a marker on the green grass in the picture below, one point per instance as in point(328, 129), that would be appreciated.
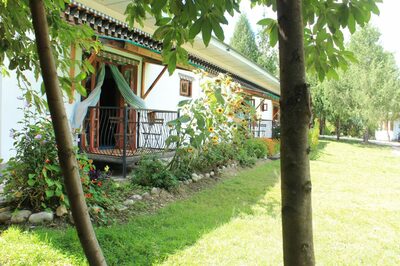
point(356, 195)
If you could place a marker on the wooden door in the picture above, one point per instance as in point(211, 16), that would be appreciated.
point(129, 72)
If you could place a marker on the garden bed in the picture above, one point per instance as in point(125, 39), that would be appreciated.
point(129, 201)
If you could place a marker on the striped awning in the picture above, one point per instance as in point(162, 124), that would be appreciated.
point(120, 60)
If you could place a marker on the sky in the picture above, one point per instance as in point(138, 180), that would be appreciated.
point(388, 23)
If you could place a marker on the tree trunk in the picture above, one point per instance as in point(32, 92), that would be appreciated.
point(388, 130)
point(366, 136)
point(321, 125)
point(66, 153)
point(338, 129)
point(298, 247)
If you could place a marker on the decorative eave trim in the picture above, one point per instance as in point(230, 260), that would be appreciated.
point(77, 13)
point(185, 77)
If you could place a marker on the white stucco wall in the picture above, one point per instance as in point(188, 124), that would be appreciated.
point(267, 115)
point(393, 132)
point(11, 112)
point(165, 95)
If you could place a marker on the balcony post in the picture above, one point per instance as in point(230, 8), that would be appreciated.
point(125, 121)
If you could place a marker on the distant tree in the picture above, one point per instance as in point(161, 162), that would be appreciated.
point(376, 86)
point(268, 56)
point(366, 93)
point(334, 100)
point(244, 39)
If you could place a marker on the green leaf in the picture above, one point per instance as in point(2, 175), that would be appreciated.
point(172, 62)
point(352, 23)
point(219, 97)
point(163, 21)
point(158, 5)
point(183, 103)
point(195, 28)
point(201, 123)
point(184, 119)
point(81, 90)
point(49, 182)
point(273, 36)
point(81, 76)
point(266, 22)
point(206, 32)
point(219, 32)
point(31, 182)
point(49, 193)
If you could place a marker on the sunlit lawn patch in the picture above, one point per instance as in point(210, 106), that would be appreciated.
point(356, 195)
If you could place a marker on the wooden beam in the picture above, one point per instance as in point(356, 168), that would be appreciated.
point(143, 81)
point(153, 57)
point(92, 57)
point(155, 82)
point(260, 103)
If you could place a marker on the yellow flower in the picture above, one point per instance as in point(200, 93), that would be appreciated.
point(231, 114)
point(215, 138)
point(220, 110)
point(215, 142)
point(107, 168)
point(190, 149)
point(211, 129)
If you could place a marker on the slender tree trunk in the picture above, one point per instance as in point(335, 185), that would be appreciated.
point(338, 129)
point(321, 125)
point(298, 247)
point(66, 153)
point(388, 130)
point(366, 136)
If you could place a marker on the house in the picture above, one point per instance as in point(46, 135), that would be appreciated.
point(388, 131)
point(132, 72)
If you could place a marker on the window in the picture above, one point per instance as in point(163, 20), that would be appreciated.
point(186, 88)
point(264, 107)
point(253, 102)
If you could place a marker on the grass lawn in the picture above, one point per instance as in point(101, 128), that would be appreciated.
point(356, 204)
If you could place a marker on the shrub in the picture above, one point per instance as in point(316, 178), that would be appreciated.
point(273, 146)
point(152, 172)
point(244, 159)
point(313, 136)
point(33, 176)
point(255, 147)
point(276, 130)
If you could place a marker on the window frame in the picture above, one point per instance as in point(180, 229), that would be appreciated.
point(189, 88)
point(264, 107)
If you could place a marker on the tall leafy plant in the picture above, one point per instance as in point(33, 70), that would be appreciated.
point(220, 115)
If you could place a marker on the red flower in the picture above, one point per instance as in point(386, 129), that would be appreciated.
point(47, 161)
point(99, 183)
point(88, 195)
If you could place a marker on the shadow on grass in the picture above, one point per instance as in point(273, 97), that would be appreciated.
point(360, 143)
point(148, 239)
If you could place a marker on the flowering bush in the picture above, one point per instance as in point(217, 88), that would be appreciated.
point(220, 116)
point(33, 176)
point(273, 146)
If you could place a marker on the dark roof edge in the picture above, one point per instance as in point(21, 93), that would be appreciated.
point(106, 25)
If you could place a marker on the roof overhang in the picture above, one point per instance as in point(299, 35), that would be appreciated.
point(217, 53)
